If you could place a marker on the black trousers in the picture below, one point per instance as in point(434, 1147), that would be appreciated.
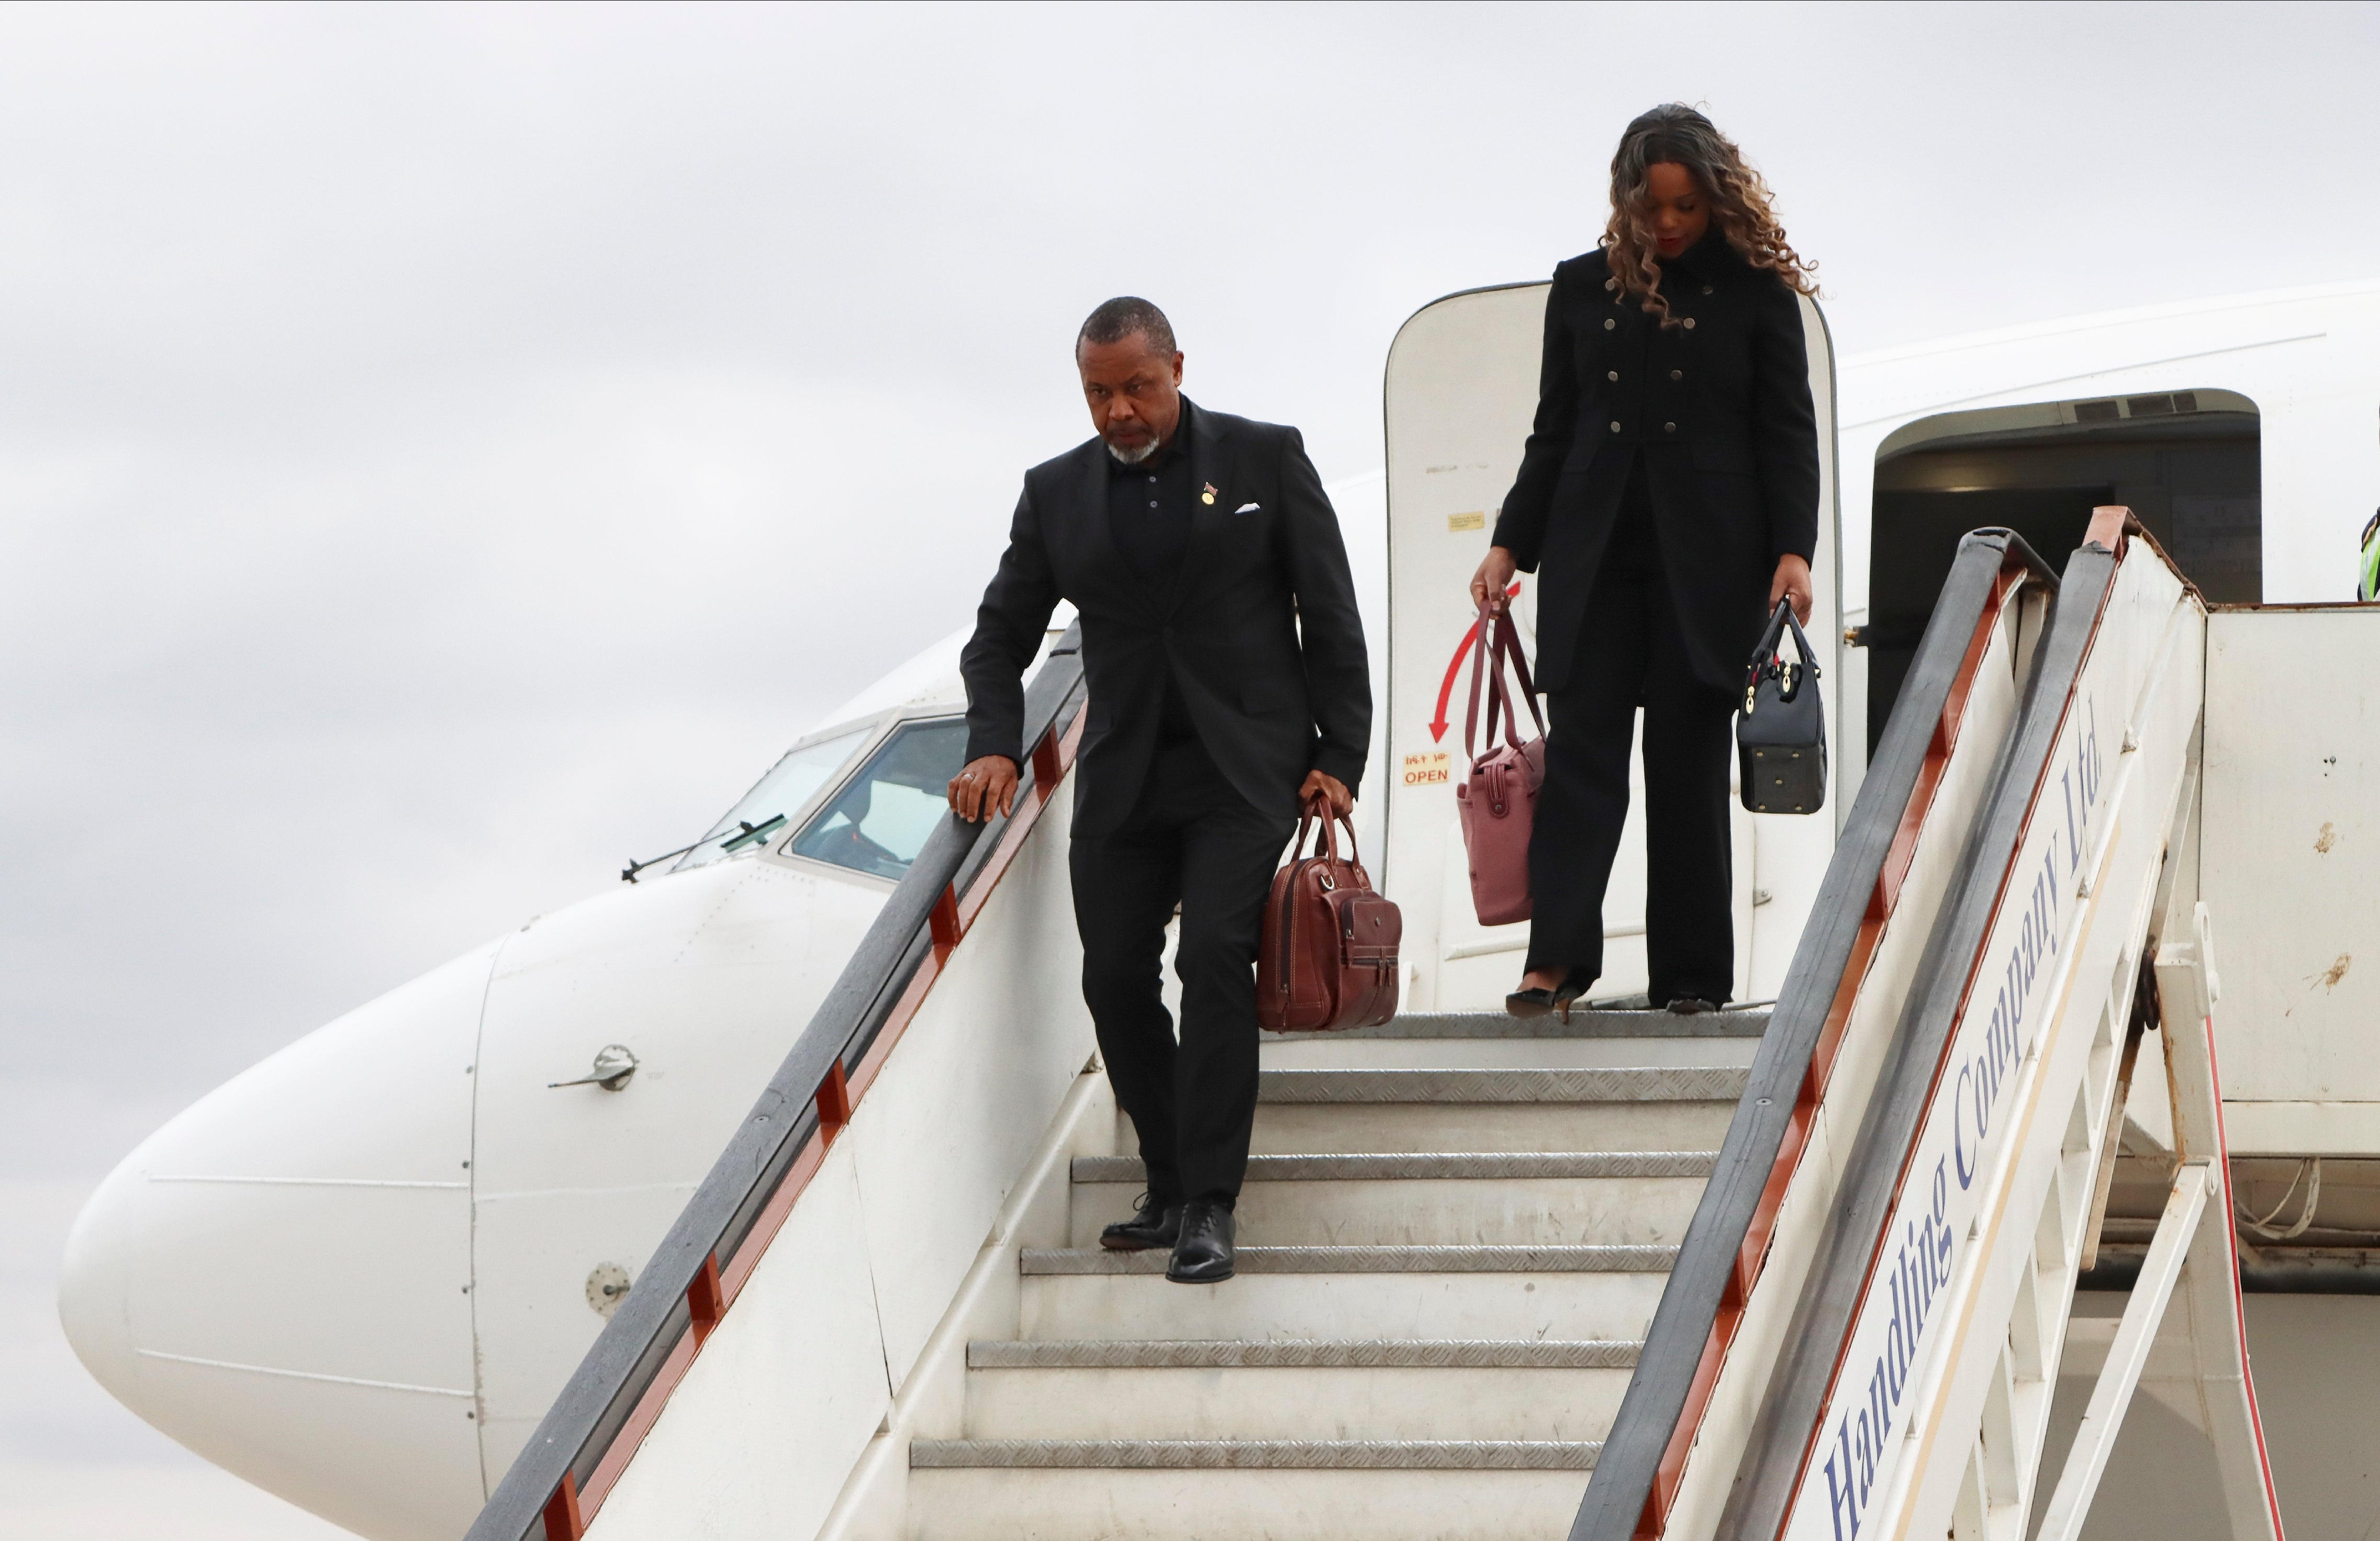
point(1632, 654)
point(1193, 839)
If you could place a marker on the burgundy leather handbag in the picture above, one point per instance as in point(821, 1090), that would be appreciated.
point(1497, 803)
point(1329, 958)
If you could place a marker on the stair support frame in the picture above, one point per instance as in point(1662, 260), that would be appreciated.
point(2095, 1441)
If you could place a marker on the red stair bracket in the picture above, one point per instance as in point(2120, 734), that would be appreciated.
point(944, 922)
point(1046, 769)
point(563, 1520)
point(833, 1103)
point(704, 1300)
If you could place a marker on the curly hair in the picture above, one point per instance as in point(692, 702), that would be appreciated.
point(1738, 195)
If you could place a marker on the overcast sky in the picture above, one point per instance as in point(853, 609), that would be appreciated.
point(447, 452)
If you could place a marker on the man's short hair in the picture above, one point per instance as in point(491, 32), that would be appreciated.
point(1122, 316)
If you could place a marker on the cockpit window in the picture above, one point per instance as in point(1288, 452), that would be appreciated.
point(790, 783)
point(878, 823)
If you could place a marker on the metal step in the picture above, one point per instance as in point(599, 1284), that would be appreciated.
point(1581, 1022)
point(1381, 1389)
point(1380, 1502)
point(1295, 1292)
point(1643, 1198)
point(1368, 1259)
point(1318, 1112)
point(1501, 1086)
point(1347, 1128)
point(1420, 1165)
point(1094, 1353)
point(1262, 1455)
point(1484, 1039)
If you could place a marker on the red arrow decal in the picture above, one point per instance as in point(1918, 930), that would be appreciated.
point(1461, 652)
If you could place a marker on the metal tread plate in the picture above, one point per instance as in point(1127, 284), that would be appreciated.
point(1440, 1455)
point(1373, 1353)
point(1581, 1022)
point(1412, 1166)
point(1652, 1084)
point(1367, 1259)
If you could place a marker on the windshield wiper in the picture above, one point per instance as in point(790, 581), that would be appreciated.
point(752, 832)
point(746, 832)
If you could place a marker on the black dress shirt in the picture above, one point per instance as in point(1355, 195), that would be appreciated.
point(1148, 514)
point(1149, 509)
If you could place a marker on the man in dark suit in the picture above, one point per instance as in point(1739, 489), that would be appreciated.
point(1227, 686)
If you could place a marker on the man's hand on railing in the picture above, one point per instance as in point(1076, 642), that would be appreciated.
point(986, 784)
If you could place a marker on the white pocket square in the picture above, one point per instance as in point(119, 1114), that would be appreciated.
point(1249, 508)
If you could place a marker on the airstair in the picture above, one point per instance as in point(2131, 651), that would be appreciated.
point(1806, 1271)
point(1454, 1232)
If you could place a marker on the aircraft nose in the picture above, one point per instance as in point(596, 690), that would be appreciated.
point(279, 1278)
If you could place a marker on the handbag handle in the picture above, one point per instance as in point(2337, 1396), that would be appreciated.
point(1766, 663)
point(1488, 661)
point(1478, 674)
point(1510, 642)
point(1319, 807)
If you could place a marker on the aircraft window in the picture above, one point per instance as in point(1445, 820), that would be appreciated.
point(790, 783)
point(880, 822)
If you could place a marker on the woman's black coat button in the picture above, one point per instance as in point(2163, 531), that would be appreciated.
point(1669, 427)
point(1608, 323)
point(1677, 374)
point(1611, 374)
point(1615, 428)
point(1690, 323)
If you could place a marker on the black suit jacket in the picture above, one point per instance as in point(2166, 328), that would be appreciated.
point(1260, 628)
point(1723, 417)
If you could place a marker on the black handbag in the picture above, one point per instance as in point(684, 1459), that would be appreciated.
point(1781, 740)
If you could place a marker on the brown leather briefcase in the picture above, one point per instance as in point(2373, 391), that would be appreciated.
point(1329, 958)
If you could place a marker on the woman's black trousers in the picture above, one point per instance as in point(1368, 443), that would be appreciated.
point(1632, 655)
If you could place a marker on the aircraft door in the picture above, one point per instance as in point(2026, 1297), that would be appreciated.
point(1460, 393)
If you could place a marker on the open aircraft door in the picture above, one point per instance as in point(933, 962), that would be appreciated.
point(1462, 388)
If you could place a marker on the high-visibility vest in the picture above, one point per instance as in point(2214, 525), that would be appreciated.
point(2367, 582)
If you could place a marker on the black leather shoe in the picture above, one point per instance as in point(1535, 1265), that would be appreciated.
point(1159, 1222)
point(1692, 1005)
point(1205, 1254)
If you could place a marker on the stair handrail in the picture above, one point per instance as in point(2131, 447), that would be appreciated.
point(1642, 1464)
point(586, 1438)
point(1771, 1465)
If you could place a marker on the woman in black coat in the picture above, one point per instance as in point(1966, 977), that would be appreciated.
point(1668, 498)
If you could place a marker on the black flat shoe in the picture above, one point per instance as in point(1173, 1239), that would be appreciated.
point(1157, 1225)
point(1205, 1254)
point(1691, 1005)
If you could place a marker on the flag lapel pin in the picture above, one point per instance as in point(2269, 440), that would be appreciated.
point(1209, 494)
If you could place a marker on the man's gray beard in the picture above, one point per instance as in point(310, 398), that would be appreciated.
point(1133, 457)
